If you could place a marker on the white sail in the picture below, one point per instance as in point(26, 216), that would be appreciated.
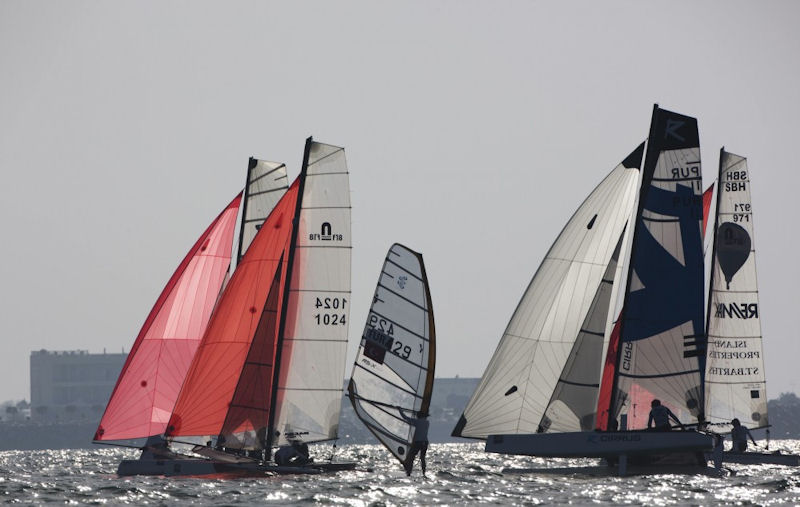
point(662, 334)
point(735, 381)
point(314, 343)
point(573, 405)
point(519, 381)
point(266, 184)
point(394, 366)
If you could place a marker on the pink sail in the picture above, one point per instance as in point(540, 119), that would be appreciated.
point(228, 353)
point(145, 394)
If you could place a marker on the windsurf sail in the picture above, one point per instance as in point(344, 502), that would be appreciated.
point(662, 334)
point(395, 363)
point(146, 390)
point(735, 381)
point(563, 305)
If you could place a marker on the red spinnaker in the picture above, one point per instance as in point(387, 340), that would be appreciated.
point(607, 380)
point(151, 378)
point(208, 393)
point(707, 205)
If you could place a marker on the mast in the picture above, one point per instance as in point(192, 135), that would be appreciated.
point(251, 164)
point(645, 183)
point(714, 242)
point(285, 303)
point(426, 395)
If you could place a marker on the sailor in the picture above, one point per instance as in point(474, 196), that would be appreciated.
point(294, 454)
point(739, 436)
point(660, 415)
point(420, 443)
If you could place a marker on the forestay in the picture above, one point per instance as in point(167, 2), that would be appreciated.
point(313, 348)
point(394, 366)
point(735, 382)
point(662, 336)
point(520, 380)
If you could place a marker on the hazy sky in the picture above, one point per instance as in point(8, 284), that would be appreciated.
point(472, 130)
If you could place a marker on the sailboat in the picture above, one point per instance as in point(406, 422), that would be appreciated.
point(268, 369)
point(545, 389)
point(735, 378)
point(394, 367)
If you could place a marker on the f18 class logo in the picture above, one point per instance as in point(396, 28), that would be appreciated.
point(325, 234)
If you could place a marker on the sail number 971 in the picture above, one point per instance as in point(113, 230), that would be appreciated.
point(328, 318)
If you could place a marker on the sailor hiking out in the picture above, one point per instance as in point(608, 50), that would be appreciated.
point(420, 443)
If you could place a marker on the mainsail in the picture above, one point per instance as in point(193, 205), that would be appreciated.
point(735, 382)
point(395, 362)
point(662, 337)
point(151, 378)
point(563, 305)
point(266, 184)
point(313, 340)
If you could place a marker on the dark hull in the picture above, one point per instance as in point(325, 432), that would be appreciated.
point(761, 458)
point(192, 467)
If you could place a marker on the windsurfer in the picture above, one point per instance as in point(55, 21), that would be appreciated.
point(660, 415)
point(420, 442)
point(739, 436)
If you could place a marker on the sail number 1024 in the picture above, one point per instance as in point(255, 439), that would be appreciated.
point(330, 318)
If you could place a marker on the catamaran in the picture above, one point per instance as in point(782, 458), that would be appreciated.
point(735, 381)
point(392, 378)
point(546, 391)
point(267, 371)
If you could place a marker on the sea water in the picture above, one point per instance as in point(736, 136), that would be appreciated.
point(457, 474)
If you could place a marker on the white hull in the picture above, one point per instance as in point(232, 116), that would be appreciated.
point(593, 444)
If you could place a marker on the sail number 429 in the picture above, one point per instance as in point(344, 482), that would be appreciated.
point(330, 318)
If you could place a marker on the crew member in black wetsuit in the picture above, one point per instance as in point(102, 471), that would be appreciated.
point(420, 443)
point(660, 415)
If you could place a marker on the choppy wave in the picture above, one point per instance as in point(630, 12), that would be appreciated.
point(457, 474)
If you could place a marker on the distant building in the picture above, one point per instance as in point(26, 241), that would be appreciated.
point(72, 385)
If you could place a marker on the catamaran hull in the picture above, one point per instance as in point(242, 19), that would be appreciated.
point(761, 458)
point(200, 467)
point(592, 444)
